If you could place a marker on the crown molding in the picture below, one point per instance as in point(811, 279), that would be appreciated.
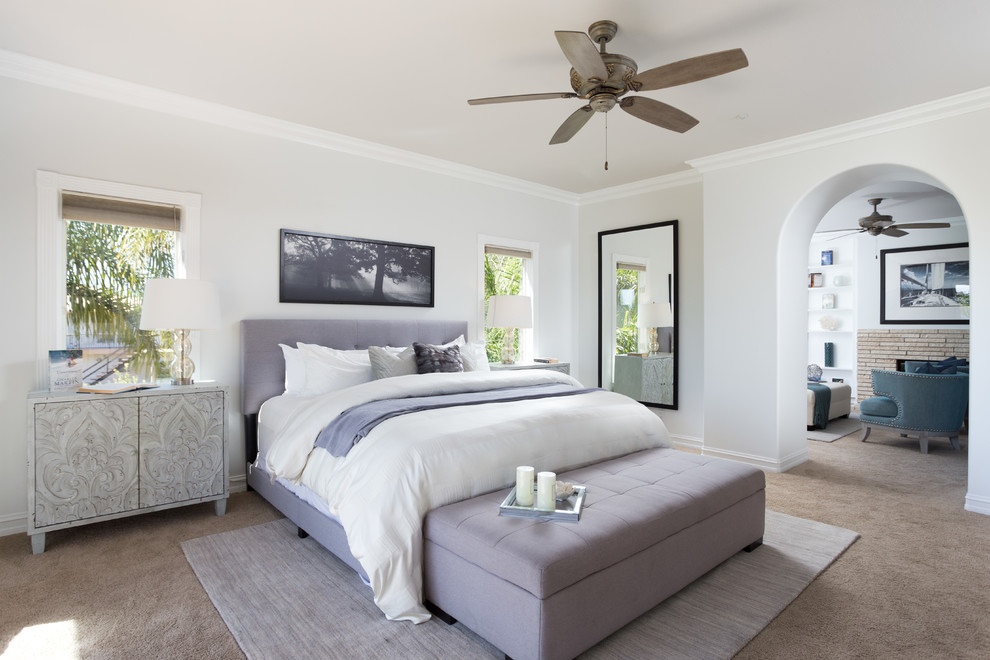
point(70, 79)
point(643, 187)
point(923, 113)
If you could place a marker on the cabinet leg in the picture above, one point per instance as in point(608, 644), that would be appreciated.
point(38, 543)
point(220, 506)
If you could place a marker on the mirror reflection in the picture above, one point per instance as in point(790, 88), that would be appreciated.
point(637, 337)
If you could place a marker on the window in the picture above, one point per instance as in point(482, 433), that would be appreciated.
point(112, 246)
point(92, 268)
point(627, 291)
point(508, 268)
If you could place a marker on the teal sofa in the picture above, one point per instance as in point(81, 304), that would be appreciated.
point(916, 405)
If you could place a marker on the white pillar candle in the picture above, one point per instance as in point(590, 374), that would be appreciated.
point(524, 485)
point(546, 484)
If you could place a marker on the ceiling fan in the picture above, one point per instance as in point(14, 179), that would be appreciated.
point(877, 223)
point(604, 78)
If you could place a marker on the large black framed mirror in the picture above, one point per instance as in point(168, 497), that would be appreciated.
point(637, 312)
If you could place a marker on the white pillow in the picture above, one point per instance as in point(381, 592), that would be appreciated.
point(474, 357)
point(330, 369)
point(295, 370)
point(388, 361)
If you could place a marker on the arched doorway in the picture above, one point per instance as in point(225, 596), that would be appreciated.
point(793, 268)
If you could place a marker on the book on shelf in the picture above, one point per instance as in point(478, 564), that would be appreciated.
point(115, 388)
point(546, 360)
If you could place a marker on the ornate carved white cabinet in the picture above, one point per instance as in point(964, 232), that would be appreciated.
point(94, 457)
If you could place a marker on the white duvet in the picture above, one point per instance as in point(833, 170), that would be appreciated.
point(381, 490)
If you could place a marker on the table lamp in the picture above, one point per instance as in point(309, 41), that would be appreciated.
point(655, 315)
point(510, 312)
point(180, 305)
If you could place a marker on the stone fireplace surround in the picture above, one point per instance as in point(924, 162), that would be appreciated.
point(882, 348)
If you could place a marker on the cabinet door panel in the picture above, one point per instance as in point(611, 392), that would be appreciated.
point(181, 447)
point(85, 459)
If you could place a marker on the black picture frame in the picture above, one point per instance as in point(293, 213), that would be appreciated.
point(342, 270)
point(918, 285)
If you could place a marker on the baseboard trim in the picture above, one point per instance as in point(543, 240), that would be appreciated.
point(977, 504)
point(687, 441)
point(769, 464)
point(238, 483)
point(14, 523)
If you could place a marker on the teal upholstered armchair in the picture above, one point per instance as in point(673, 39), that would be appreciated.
point(922, 405)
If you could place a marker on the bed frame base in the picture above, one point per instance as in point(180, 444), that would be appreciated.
point(326, 531)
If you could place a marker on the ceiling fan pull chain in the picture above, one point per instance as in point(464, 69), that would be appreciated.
point(606, 142)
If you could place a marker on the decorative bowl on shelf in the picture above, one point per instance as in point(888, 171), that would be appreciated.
point(829, 323)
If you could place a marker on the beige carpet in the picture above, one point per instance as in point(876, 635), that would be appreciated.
point(915, 585)
point(308, 604)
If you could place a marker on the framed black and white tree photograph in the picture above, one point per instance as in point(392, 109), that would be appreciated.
point(323, 268)
point(925, 285)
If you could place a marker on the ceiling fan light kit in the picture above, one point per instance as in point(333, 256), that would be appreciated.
point(603, 79)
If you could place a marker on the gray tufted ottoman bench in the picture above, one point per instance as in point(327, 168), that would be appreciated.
point(652, 523)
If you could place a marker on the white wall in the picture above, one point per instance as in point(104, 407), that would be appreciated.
point(251, 186)
point(763, 212)
point(682, 203)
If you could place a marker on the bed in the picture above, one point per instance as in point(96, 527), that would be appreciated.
point(367, 505)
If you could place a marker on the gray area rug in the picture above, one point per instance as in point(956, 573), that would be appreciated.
point(282, 596)
point(835, 429)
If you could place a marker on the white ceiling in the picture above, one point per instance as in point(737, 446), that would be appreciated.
point(399, 73)
point(905, 201)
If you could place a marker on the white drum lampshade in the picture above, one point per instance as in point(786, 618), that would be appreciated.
point(510, 312)
point(180, 305)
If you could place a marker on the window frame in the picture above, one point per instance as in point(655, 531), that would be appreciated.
point(50, 302)
point(528, 347)
point(643, 266)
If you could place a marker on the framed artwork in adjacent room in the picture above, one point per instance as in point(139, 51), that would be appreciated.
point(323, 268)
point(925, 285)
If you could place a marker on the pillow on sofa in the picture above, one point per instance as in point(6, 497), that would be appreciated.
point(927, 368)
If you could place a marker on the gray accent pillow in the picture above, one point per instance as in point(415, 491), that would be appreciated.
point(437, 359)
point(388, 362)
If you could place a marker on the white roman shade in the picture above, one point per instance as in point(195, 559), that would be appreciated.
point(628, 265)
point(499, 250)
point(119, 211)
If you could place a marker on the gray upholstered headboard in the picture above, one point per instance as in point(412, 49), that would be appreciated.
point(262, 364)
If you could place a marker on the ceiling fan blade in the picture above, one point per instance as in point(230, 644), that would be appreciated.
point(572, 125)
point(850, 232)
point(691, 70)
point(922, 225)
point(894, 232)
point(831, 231)
point(661, 114)
point(522, 97)
point(582, 54)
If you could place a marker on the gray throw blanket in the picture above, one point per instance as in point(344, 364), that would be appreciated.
point(350, 426)
point(823, 401)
